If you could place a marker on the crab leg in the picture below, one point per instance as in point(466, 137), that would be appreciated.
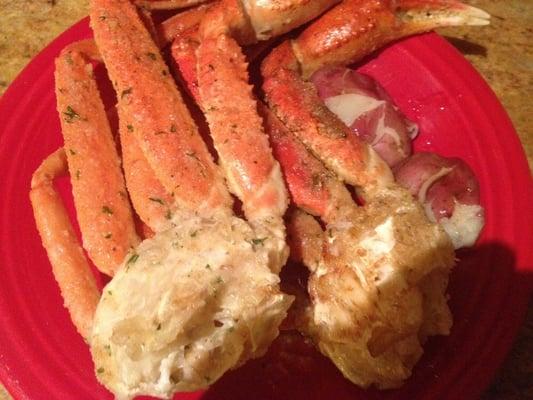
point(69, 265)
point(335, 39)
point(161, 122)
point(151, 201)
point(102, 205)
point(184, 55)
point(237, 131)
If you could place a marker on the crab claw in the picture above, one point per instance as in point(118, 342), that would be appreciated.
point(337, 40)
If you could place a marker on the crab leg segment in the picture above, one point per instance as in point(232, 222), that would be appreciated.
point(237, 130)
point(71, 270)
point(102, 205)
point(160, 120)
point(335, 39)
point(312, 187)
point(184, 55)
point(151, 201)
point(296, 103)
point(249, 21)
point(174, 27)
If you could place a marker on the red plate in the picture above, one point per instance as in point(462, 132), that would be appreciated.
point(41, 355)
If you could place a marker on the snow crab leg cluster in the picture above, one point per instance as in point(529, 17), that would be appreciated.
point(379, 272)
point(200, 294)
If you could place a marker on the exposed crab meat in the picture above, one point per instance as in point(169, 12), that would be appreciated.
point(363, 105)
point(449, 191)
point(209, 303)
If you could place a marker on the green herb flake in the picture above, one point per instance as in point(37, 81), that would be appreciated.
point(70, 115)
point(194, 233)
point(78, 173)
point(107, 210)
point(68, 59)
point(258, 241)
point(134, 257)
point(152, 56)
point(72, 152)
point(192, 154)
point(130, 128)
point(158, 327)
point(219, 280)
point(108, 236)
point(207, 266)
point(102, 17)
point(110, 292)
point(100, 370)
point(172, 128)
point(317, 182)
point(125, 92)
point(168, 215)
point(156, 200)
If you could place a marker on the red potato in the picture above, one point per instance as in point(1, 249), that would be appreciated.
point(449, 191)
point(363, 105)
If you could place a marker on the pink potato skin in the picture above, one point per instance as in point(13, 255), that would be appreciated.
point(459, 185)
point(392, 138)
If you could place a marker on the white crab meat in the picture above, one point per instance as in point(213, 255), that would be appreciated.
point(189, 304)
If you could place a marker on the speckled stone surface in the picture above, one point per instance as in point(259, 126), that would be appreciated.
point(501, 52)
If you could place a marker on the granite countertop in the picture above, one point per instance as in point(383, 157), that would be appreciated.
point(501, 52)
